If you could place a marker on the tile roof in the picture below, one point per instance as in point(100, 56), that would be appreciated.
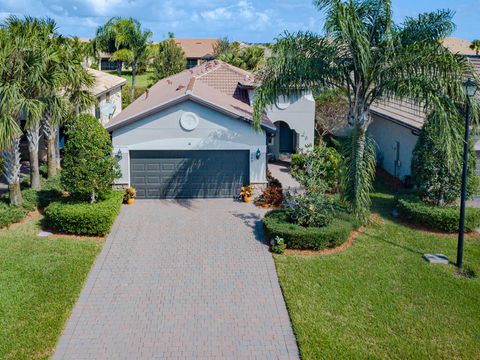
point(214, 84)
point(405, 111)
point(104, 82)
point(197, 48)
point(458, 46)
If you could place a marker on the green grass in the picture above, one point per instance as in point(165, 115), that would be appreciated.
point(140, 80)
point(380, 300)
point(40, 280)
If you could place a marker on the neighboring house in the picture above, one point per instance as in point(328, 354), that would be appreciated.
point(108, 91)
point(191, 134)
point(197, 50)
point(397, 124)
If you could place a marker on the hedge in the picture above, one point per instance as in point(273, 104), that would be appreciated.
point(81, 218)
point(277, 223)
point(415, 211)
point(32, 200)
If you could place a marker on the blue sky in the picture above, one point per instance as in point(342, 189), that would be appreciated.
point(247, 20)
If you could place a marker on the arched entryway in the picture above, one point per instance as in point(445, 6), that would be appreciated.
point(286, 138)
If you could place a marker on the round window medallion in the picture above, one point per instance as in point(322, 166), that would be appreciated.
point(282, 102)
point(189, 121)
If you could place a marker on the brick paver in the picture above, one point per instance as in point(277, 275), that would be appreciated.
point(180, 280)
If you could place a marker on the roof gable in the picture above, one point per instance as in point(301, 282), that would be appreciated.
point(214, 83)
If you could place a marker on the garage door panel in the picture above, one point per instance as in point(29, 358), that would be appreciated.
point(189, 174)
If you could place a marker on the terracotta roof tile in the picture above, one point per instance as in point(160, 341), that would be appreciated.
point(213, 83)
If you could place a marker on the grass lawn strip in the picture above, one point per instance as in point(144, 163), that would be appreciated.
point(40, 281)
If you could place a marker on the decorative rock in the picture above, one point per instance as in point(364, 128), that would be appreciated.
point(395, 213)
point(436, 259)
point(44, 233)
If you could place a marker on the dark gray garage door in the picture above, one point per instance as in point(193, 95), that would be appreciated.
point(188, 174)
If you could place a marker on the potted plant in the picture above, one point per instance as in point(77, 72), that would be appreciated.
point(246, 193)
point(130, 195)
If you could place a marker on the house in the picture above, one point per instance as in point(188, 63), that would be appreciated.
point(397, 124)
point(191, 134)
point(197, 50)
point(108, 91)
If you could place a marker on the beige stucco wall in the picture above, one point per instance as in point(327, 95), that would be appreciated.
point(215, 131)
point(115, 99)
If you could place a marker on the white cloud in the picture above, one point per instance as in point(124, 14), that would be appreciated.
point(218, 14)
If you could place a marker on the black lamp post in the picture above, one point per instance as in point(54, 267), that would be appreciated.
point(470, 89)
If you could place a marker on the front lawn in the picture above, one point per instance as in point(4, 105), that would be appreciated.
point(379, 299)
point(141, 81)
point(40, 280)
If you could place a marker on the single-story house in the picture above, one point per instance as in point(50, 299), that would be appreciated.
point(108, 91)
point(197, 50)
point(191, 134)
point(396, 126)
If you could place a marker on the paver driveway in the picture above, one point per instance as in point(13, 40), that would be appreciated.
point(179, 280)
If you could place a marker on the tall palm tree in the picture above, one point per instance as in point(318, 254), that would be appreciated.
point(367, 55)
point(20, 64)
point(132, 43)
point(38, 35)
point(68, 99)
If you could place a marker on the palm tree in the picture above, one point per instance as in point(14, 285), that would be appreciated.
point(68, 98)
point(367, 55)
point(132, 43)
point(475, 45)
point(20, 64)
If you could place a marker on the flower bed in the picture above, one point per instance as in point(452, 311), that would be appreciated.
point(278, 223)
point(81, 218)
point(415, 211)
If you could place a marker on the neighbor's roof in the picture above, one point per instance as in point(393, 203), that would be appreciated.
point(214, 84)
point(400, 111)
point(458, 46)
point(105, 82)
point(197, 48)
point(405, 112)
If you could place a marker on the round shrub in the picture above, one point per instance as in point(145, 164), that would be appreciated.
point(89, 168)
point(317, 168)
point(412, 209)
point(278, 223)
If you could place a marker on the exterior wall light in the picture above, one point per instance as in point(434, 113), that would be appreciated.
point(258, 154)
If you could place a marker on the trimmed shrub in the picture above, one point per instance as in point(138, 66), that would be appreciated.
point(11, 214)
point(412, 209)
point(80, 218)
point(89, 168)
point(278, 223)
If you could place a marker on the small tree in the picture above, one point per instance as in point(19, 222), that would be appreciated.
point(169, 59)
point(318, 169)
point(475, 45)
point(439, 181)
point(89, 166)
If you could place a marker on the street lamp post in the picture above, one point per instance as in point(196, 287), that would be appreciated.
point(470, 89)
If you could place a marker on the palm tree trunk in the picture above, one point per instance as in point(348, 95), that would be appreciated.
point(12, 172)
point(33, 136)
point(119, 68)
point(134, 74)
point(50, 132)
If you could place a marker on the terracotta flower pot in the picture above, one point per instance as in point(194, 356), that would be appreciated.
point(130, 201)
point(247, 199)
